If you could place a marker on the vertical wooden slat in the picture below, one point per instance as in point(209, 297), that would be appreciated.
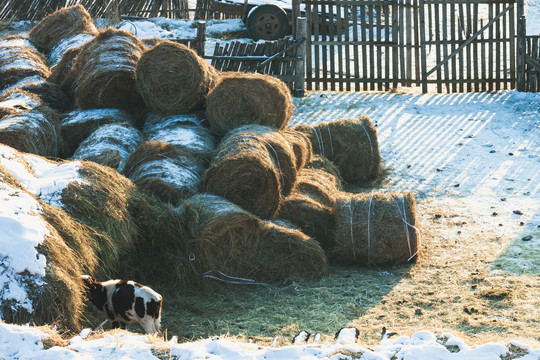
point(497, 49)
point(402, 54)
point(483, 56)
point(423, 48)
point(364, 30)
point(461, 38)
point(339, 38)
point(346, 21)
point(475, 49)
point(387, 49)
point(395, 41)
point(324, 31)
point(445, 46)
point(438, 46)
point(511, 35)
point(356, 48)
point(379, 48)
point(371, 47)
point(417, 42)
point(312, 56)
point(331, 37)
point(490, 50)
point(409, 29)
point(453, 37)
point(504, 46)
point(468, 48)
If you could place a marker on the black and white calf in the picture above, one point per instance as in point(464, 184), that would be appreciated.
point(126, 302)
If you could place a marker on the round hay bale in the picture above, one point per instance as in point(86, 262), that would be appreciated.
point(78, 125)
point(220, 236)
point(173, 79)
point(166, 171)
point(322, 163)
point(61, 24)
point(63, 74)
point(376, 229)
point(254, 167)
point(18, 64)
point(301, 146)
point(351, 144)
point(248, 98)
point(40, 280)
point(110, 145)
point(64, 45)
point(34, 131)
point(284, 252)
point(16, 101)
point(18, 40)
point(182, 131)
point(49, 93)
point(105, 70)
point(311, 204)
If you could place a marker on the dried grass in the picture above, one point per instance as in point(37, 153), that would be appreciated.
point(16, 101)
point(61, 24)
point(49, 93)
point(63, 74)
point(20, 63)
point(301, 146)
point(173, 79)
point(248, 98)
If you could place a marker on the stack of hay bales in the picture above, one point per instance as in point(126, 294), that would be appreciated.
point(376, 229)
point(182, 131)
point(226, 241)
point(20, 63)
point(105, 72)
point(254, 168)
point(173, 79)
point(244, 98)
point(351, 144)
point(170, 173)
point(78, 125)
point(110, 145)
point(60, 25)
point(34, 130)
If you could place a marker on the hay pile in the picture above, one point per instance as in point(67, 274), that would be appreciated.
point(248, 98)
point(173, 79)
point(310, 206)
point(182, 131)
point(49, 93)
point(105, 72)
point(34, 131)
point(376, 229)
point(166, 171)
point(62, 24)
point(351, 144)
point(76, 126)
point(110, 145)
point(20, 64)
point(16, 101)
point(64, 45)
point(254, 168)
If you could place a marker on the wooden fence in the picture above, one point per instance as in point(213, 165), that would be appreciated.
point(531, 65)
point(451, 45)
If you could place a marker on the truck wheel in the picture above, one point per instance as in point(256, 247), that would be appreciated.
point(268, 22)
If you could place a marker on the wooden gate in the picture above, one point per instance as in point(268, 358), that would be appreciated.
point(361, 44)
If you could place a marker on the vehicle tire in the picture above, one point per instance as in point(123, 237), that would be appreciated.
point(267, 22)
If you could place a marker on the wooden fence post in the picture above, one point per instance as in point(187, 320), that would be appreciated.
point(521, 46)
point(295, 15)
point(300, 73)
point(201, 37)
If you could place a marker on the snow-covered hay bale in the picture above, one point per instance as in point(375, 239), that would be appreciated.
point(110, 145)
point(350, 143)
point(101, 201)
point(63, 74)
point(105, 70)
point(34, 131)
point(40, 280)
point(248, 98)
point(16, 101)
point(168, 172)
point(184, 132)
point(173, 79)
point(220, 235)
point(61, 24)
point(76, 126)
point(18, 64)
point(310, 206)
point(284, 252)
point(254, 167)
point(49, 93)
point(376, 229)
point(63, 46)
point(301, 146)
point(18, 40)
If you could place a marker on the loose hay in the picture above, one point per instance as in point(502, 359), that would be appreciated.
point(301, 146)
point(311, 205)
point(182, 131)
point(18, 64)
point(166, 171)
point(34, 131)
point(79, 124)
point(285, 252)
point(351, 144)
point(105, 70)
point(376, 229)
point(110, 145)
point(50, 94)
point(77, 41)
point(62, 24)
point(220, 236)
point(173, 79)
point(248, 98)
point(254, 167)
